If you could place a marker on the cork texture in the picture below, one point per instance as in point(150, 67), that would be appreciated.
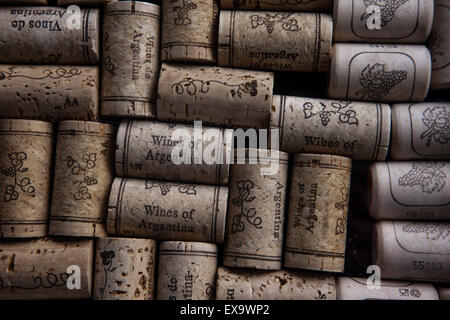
point(62, 3)
point(317, 216)
point(409, 190)
point(189, 31)
point(45, 269)
point(395, 22)
point(358, 130)
point(131, 43)
point(25, 165)
point(20, 2)
point(256, 206)
point(275, 5)
point(144, 150)
point(82, 180)
point(187, 271)
point(49, 35)
point(444, 293)
point(124, 269)
point(379, 73)
point(416, 251)
point(270, 40)
point(216, 96)
point(167, 210)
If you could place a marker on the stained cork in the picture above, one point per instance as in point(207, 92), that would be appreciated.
point(131, 42)
point(317, 217)
point(187, 271)
point(379, 73)
point(25, 166)
point(277, 5)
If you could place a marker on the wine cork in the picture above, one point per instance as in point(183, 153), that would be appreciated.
point(84, 3)
point(444, 293)
point(416, 251)
point(20, 2)
point(358, 130)
point(124, 269)
point(145, 148)
point(420, 131)
point(382, 22)
point(130, 59)
point(404, 190)
point(256, 205)
point(25, 166)
point(45, 269)
point(270, 40)
point(83, 176)
point(49, 35)
point(216, 96)
point(167, 210)
point(277, 5)
point(189, 31)
point(358, 289)
point(49, 93)
point(439, 45)
point(380, 73)
point(187, 271)
point(235, 284)
point(317, 217)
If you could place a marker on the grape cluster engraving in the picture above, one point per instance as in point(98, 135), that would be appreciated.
point(387, 8)
point(244, 189)
point(427, 175)
point(341, 110)
point(166, 187)
point(437, 121)
point(433, 231)
point(107, 260)
point(88, 163)
point(183, 12)
point(342, 205)
point(11, 194)
point(269, 20)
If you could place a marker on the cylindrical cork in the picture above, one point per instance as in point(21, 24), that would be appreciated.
point(358, 289)
point(358, 130)
point(189, 31)
point(130, 59)
point(382, 22)
point(278, 5)
point(167, 210)
point(187, 271)
point(124, 269)
point(317, 216)
point(45, 269)
point(270, 40)
point(439, 45)
point(444, 293)
point(20, 2)
point(84, 3)
point(144, 149)
point(49, 35)
point(49, 93)
point(235, 284)
point(217, 96)
point(421, 131)
point(417, 251)
point(409, 190)
point(25, 166)
point(385, 73)
point(84, 172)
point(256, 206)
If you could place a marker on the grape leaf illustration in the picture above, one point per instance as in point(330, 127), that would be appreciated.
point(428, 175)
point(437, 120)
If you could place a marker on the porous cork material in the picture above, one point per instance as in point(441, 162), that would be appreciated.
point(275, 5)
point(20, 2)
point(83, 3)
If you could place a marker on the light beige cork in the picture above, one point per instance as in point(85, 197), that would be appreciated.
point(131, 42)
point(278, 5)
point(416, 251)
point(240, 284)
point(189, 31)
point(216, 96)
point(317, 215)
point(20, 2)
point(49, 35)
point(403, 190)
point(379, 73)
point(256, 206)
point(270, 40)
point(420, 131)
point(187, 271)
point(46, 269)
point(83, 175)
point(167, 210)
point(144, 149)
point(25, 177)
point(358, 289)
point(358, 130)
point(439, 45)
point(124, 269)
point(84, 3)
point(49, 93)
point(390, 21)
point(444, 293)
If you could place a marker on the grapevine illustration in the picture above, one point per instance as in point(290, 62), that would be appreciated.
point(340, 109)
point(11, 192)
point(250, 214)
point(437, 121)
point(183, 12)
point(241, 3)
point(192, 86)
point(166, 187)
point(57, 73)
point(341, 223)
point(107, 259)
point(269, 20)
point(435, 46)
point(377, 83)
point(88, 163)
point(427, 175)
point(410, 292)
point(387, 8)
point(433, 231)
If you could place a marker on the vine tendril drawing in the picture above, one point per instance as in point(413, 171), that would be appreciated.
point(57, 73)
point(192, 86)
point(17, 160)
point(341, 109)
point(249, 213)
point(269, 20)
point(166, 187)
point(88, 163)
